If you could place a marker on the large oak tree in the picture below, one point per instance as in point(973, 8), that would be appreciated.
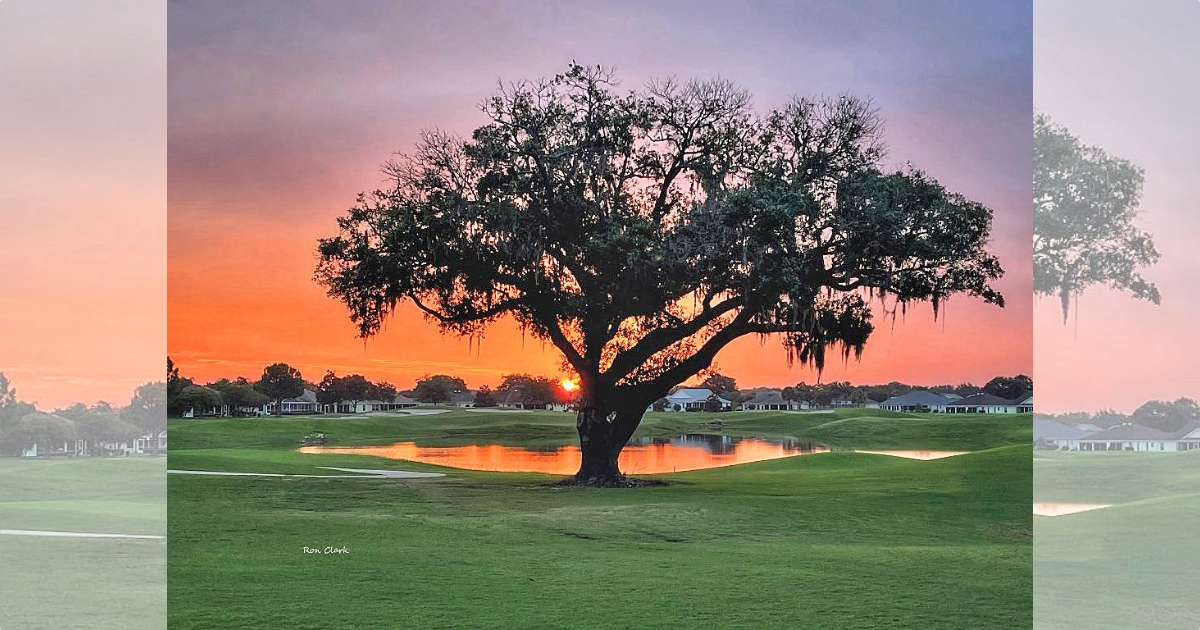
point(641, 232)
point(1084, 205)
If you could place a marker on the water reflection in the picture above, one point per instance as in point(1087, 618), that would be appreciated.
point(921, 455)
point(1063, 509)
point(644, 456)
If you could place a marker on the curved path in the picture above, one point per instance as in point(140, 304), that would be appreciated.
point(54, 534)
point(365, 474)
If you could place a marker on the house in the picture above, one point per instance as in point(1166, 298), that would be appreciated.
point(981, 403)
point(1056, 435)
point(241, 410)
point(404, 402)
point(1025, 404)
point(213, 412)
point(917, 400)
point(367, 406)
point(693, 398)
point(514, 399)
point(159, 442)
point(306, 402)
point(1135, 437)
point(1128, 436)
point(769, 400)
point(464, 399)
point(1189, 438)
point(150, 443)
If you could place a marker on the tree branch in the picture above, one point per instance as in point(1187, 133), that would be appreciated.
point(700, 360)
point(662, 338)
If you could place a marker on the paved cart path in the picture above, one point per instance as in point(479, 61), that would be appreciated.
point(56, 534)
point(364, 473)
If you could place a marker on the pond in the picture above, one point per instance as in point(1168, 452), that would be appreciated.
point(645, 456)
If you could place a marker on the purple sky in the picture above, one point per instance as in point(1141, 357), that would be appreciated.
point(1122, 75)
point(281, 111)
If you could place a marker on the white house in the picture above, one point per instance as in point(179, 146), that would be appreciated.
point(150, 442)
point(1128, 436)
point(917, 400)
point(692, 398)
point(1056, 435)
point(981, 403)
point(209, 413)
point(1135, 437)
point(769, 400)
point(1189, 438)
point(367, 406)
point(306, 402)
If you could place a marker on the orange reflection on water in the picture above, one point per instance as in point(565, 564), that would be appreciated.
point(646, 459)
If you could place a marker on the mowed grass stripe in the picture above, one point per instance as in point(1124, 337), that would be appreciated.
point(838, 540)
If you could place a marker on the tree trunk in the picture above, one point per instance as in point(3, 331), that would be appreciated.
point(600, 442)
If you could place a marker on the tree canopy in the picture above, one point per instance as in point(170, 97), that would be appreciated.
point(485, 397)
point(12, 410)
point(641, 232)
point(723, 386)
point(239, 394)
point(1084, 205)
point(1169, 416)
point(353, 388)
point(46, 430)
point(280, 381)
point(535, 391)
point(104, 426)
point(175, 385)
point(438, 388)
point(1009, 387)
point(148, 407)
point(199, 399)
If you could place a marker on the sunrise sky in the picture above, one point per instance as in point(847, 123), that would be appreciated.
point(83, 125)
point(1122, 78)
point(280, 113)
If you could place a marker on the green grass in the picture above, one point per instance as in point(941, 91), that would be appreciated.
point(838, 540)
point(83, 583)
point(1132, 565)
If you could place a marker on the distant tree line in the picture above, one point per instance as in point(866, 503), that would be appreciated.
point(1007, 387)
point(1169, 416)
point(824, 394)
point(533, 391)
point(99, 426)
point(280, 381)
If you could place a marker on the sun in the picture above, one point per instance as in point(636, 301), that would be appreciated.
point(568, 385)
